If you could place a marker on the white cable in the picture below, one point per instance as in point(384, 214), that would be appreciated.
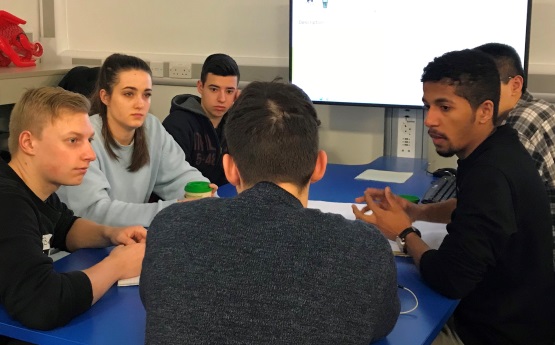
point(415, 299)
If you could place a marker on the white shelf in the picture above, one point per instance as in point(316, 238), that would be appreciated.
point(14, 81)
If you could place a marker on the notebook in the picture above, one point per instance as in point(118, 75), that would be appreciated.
point(133, 281)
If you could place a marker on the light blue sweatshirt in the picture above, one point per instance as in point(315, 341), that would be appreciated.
point(111, 195)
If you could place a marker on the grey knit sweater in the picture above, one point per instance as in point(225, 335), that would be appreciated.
point(261, 269)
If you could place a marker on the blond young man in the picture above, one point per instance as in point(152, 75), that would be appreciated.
point(49, 143)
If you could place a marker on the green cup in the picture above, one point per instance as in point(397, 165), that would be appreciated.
point(412, 198)
point(197, 190)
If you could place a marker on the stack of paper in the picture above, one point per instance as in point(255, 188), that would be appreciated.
point(129, 281)
point(384, 176)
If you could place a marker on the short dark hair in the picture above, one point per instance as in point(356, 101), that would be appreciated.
point(108, 76)
point(272, 134)
point(219, 64)
point(472, 73)
point(507, 60)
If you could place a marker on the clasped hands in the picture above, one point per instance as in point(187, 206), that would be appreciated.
point(390, 213)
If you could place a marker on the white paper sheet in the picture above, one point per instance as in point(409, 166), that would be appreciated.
point(384, 176)
point(342, 208)
point(432, 233)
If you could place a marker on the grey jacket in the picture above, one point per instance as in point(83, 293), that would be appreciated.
point(259, 269)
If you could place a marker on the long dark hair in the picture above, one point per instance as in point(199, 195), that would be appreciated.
point(107, 78)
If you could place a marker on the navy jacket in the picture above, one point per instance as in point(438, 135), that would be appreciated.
point(203, 144)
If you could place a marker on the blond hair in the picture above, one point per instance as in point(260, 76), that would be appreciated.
point(38, 106)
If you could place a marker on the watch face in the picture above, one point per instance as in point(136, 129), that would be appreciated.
point(401, 244)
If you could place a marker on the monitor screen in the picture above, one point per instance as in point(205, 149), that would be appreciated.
point(373, 52)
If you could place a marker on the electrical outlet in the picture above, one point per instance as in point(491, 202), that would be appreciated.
point(180, 70)
point(157, 69)
point(406, 133)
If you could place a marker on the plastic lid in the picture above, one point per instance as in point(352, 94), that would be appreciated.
point(198, 187)
point(411, 198)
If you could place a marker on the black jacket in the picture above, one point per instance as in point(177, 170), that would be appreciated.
point(203, 144)
point(30, 290)
point(497, 257)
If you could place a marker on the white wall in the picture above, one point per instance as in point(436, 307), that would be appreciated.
point(27, 10)
point(255, 32)
point(542, 45)
point(350, 135)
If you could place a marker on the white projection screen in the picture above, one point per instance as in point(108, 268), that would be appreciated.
point(372, 52)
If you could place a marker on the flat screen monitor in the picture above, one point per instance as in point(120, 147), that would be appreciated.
point(373, 52)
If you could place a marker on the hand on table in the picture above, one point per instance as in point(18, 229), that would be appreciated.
point(129, 259)
point(128, 235)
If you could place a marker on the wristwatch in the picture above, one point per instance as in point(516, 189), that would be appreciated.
point(401, 237)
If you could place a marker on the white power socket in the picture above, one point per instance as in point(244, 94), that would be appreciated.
point(180, 70)
point(157, 69)
point(406, 133)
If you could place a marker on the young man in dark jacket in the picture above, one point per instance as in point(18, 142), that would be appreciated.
point(196, 123)
point(497, 257)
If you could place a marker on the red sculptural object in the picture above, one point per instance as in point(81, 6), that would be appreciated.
point(14, 44)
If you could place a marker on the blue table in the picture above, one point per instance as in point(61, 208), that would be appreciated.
point(339, 184)
point(422, 325)
point(119, 316)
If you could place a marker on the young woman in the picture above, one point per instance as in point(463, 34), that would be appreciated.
point(135, 156)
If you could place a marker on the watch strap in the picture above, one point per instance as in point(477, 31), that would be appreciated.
point(407, 231)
